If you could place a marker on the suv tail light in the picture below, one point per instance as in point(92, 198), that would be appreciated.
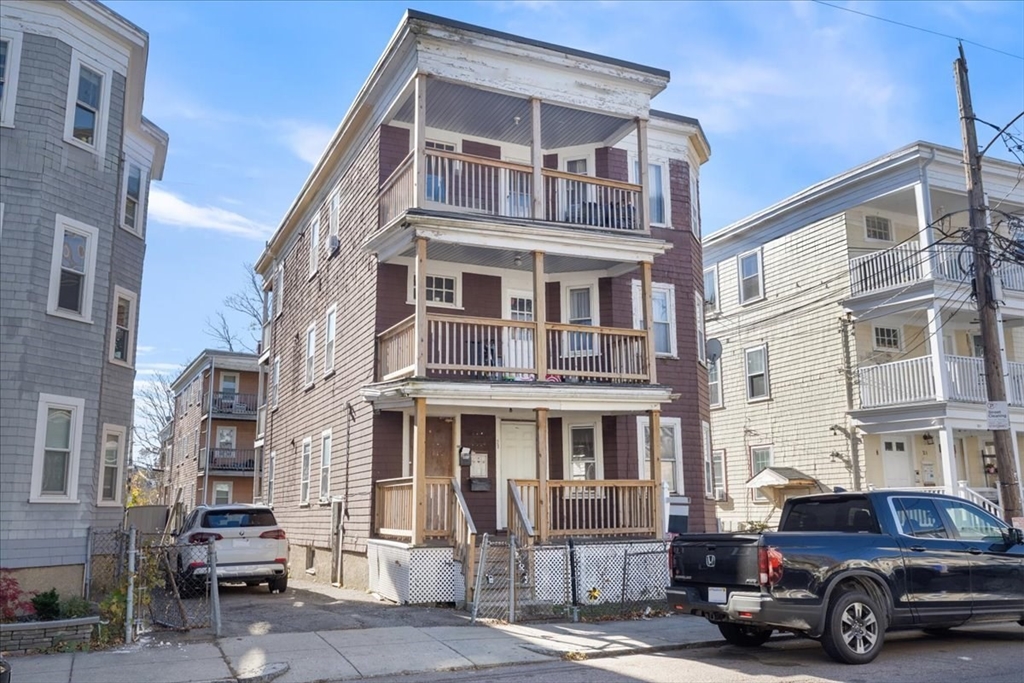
point(769, 565)
point(203, 537)
point(277, 534)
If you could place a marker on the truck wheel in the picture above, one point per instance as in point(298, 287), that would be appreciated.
point(743, 635)
point(854, 628)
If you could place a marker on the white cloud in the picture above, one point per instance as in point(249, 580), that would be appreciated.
point(306, 140)
point(150, 369)
point(168, 208)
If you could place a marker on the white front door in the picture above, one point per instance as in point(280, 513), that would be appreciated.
point(517, 459)
point(897, 461)
point(518, 342)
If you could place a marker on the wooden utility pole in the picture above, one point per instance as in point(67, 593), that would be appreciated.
point(983, 278)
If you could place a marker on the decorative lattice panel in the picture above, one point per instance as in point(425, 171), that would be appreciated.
point(431, 575)
point(602, 569)
point(389, 564)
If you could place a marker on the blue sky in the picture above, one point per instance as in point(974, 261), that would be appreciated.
point(788, 93)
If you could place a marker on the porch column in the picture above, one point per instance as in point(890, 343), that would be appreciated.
point(540, 316)
point(645, 191)
point(420, 321)
point(537, 158)
point(940, 375)
point(419, 139)
point(654, 423)
point(419, 474)
point(543, 467)
point(923, 201)
point(947, 451)
point(645, 279)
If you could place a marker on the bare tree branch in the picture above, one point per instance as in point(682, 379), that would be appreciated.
point(220, 331)
point(249, 302)
point(154, 408)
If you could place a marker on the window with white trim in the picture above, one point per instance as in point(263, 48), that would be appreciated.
point(751, 277)
point(325, 466)
point(760, 459)
point(441, 290)
point(314, 244)
point(656, 188)
point(756, 361)
point(279, 291)
point(698, 302)
point(694, 203)
point(671, 451)
point(329, 334)
point(72, 270)
point(112, 467)
point(88, 94)
point(310, 353)
point(307, 455)
point(580, 311)
point(663, 314)
point(709, 472)
point(122, 348)
point(222, 493)
point(711, 288)
point(271, 465)
point(886, 338)
point(582, 452)
point(275, 382)
point(335, 215)
point(718, 474)
point(58, 449)
point(10, 59)
point(715, 382)
point(878, 228)
point(131, 210)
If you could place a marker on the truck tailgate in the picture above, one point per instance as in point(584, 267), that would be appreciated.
point(715, 560)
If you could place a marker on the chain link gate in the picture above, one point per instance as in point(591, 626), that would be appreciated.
point(172, 586)
point(492, 593)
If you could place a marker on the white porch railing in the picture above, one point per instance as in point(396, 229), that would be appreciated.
point(1012, 276)
point(966, 379)
point(896, 383)
point(900, 265)
point(1015, 383)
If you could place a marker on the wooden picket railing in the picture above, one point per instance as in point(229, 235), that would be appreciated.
point(396, 194)
point(519, 523)
point(610, 507)
point(393, 507)
point(597, 353)
point(591, 202)
point(397, 350)
point(463, 537)
point(440, 514)
point(462, 345)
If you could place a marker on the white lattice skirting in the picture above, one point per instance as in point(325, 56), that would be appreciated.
point(414, 575)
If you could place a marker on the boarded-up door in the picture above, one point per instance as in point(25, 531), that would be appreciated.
point(440, 447)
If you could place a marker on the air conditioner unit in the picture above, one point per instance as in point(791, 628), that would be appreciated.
point(720, 494)
point(333, 244)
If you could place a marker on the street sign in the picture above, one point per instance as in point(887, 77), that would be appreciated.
point(998, 415)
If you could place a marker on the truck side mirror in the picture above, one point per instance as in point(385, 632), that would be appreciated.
point(1013, 536)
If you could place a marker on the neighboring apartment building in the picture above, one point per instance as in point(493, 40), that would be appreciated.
point(850, 339)
point(455, 336)
point(212, 455)
point(76, 160)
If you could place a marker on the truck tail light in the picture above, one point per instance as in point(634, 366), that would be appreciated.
point(769, 565)
point(276, 534)
point(203, 537)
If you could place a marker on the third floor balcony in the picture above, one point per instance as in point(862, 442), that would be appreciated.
point(913, 380)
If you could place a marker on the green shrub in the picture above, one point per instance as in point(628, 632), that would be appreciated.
point(47, 605)
point(75, 608)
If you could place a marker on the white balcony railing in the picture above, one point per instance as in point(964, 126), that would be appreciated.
point(966, 379)
point(912, 381)
point(904, 264)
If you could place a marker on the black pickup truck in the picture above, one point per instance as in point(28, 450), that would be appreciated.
point(844, 568)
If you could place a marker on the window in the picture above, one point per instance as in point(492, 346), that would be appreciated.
point(878, 228)
point(886, 338)
point(701, 337)
point(656, 188)
point(441, 290)
point(663, 308)
point(111, 469)
point(715, 383)
point(10, 56)
point(279, 291)
point(130, 216)
point(85, 125)
point(582, 456)
point(760, 458)
point(694, 203)
point(718, 474)
point(275, 382)
point(580, 312)
point(325, 466)
point(310, 353)
point(919, 518)
point(271, 464)
point(314, 244)
point(307, 453)
point(972, 524)
point(758, 387)
point(709, 471)
point(72, 270)
point(121, 347)
point(222, 493)
point(671, 451)
point(332, 315)
point(335, 215)
point(711, 289)
point(58, 448)
point(751, 279)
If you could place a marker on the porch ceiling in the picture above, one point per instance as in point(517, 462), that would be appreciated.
point(491, 115)
point(506, 259)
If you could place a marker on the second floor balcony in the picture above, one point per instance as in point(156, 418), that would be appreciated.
point(913, 380)
point(231, 460)
point(231, 404)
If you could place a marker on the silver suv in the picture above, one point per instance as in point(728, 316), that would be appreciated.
point(251, 547)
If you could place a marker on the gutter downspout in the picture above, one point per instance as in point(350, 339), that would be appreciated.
point(209, 436)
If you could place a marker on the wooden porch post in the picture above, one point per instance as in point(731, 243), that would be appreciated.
point(543, 467)
point(540, 317)
point(642, 162)
point(537, 158)
point(419, 474)
point(419, 139)
point(420, 323)
point(654, 422)
point(648, 304)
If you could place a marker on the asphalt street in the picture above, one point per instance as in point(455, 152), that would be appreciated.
point(993, 654)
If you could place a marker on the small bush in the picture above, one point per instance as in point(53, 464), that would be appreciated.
point(75, 608)
point(47, 605)
point(14, 602)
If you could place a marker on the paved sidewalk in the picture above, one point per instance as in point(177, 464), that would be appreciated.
point(353, 654)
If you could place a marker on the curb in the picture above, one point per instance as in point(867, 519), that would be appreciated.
point(582, 655)
point(261, 674)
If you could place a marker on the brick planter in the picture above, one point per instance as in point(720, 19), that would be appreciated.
point(22, 638)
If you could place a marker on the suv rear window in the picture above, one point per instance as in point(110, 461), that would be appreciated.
point(846, 514)
point(231, 519)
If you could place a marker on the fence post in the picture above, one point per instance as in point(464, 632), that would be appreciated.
point(511, 579)
point(214, 586)
point(481, 566)
point(87, 574)
point(129, 614)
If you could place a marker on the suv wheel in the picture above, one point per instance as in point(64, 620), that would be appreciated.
point(854, 628)
point(744, 635)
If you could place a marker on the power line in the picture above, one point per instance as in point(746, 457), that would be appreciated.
point(918, 28)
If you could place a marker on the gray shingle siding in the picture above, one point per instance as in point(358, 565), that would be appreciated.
point(43, 176)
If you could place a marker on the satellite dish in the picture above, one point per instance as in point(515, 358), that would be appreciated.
point(713, 350)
